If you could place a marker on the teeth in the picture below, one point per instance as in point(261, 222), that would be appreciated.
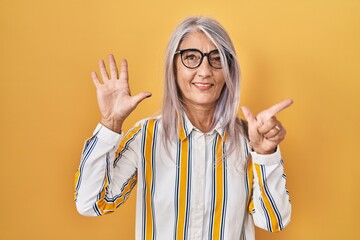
point(202, 84)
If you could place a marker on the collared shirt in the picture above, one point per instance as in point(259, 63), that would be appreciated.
point(191, 190)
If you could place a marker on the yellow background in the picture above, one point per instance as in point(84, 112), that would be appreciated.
point(307, 50)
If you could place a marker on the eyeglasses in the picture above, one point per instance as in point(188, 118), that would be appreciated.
point(192, 58)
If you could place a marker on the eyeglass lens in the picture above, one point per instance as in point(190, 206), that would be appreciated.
point(192, 58)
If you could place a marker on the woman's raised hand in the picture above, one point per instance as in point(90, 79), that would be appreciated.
point(114, 96)
point(265, 131)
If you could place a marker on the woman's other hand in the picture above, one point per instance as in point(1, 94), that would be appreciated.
point(265, 131)
point(113, 94)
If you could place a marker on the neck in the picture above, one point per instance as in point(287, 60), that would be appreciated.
point(201, 117)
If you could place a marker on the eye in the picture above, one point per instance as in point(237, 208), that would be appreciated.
point(191, 56)
point(215, 57)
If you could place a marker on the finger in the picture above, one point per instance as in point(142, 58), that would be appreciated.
point(113, 67)
point(140, 97)
point(124, 70)
point(272, 133)
point(248, 115)
point(103, 71)
point(275, 109)
point(268, 125)
point(95, 79)
point(278, 137)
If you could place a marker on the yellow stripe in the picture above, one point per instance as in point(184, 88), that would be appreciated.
point(219, 184)
point(182, 191)
point(182, 134)
point(274, 223)
point(148, 177)
point(128, 136)
point(77, 175)
point(107, 207)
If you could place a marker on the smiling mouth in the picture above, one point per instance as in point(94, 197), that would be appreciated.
point(203, 86)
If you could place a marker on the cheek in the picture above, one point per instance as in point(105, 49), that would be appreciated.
point(184, 76)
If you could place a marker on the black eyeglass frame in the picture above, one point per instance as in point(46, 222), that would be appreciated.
point(202, 57)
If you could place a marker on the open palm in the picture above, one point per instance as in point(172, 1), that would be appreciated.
point(114, 95)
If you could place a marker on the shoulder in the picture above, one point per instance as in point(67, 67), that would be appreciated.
point(145, 124)
point(135, 134)
point(146, 121)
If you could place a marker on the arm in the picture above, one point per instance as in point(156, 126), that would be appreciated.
point(270, 204)
point(106, 176)
point(107, 171)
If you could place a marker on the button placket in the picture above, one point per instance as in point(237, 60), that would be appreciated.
point(197, 218)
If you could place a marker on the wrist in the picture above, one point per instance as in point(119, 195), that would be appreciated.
point(112, 125)
point(263, 151)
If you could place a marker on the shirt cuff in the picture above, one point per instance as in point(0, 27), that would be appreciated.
point(267, 159)
point(107, 135)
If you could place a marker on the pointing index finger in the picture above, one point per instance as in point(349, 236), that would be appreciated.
point(275, 109)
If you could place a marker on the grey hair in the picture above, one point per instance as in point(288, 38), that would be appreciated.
point(228, 102)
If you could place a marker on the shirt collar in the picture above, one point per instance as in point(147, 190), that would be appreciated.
point(187, 127)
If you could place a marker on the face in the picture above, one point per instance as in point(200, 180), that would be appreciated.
point(200, 87)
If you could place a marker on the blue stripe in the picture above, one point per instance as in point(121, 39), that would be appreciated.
point(188, 197)
point(90, 147)
point(273, 204)
point(176, 194)
point(114, 198)
point(247, 189)
point(87, 144)
point(95, 207)
point(225, 187)
point(246, 149)
point(266, 215)
point(144, 180)
point(184, 126)
point(126, 147)
point(212, 202)
point(96, 210)
point(284, 176)
point(247, 197)
point(153, 168)
point(127, 194)
point(108, 168)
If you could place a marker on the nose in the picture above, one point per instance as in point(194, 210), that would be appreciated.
point(204, 70)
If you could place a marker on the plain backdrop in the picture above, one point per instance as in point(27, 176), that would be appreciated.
point(307, 50)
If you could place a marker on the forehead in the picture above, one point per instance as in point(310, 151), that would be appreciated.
point(197, 40)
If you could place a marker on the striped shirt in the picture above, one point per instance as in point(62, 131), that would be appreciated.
point(190, 191)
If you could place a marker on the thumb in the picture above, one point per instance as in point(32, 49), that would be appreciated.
point(248, 115)
point(141, 96)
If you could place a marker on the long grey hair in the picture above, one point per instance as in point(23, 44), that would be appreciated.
point(228, 102)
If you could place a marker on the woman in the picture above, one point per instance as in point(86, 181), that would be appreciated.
point(201, 173)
